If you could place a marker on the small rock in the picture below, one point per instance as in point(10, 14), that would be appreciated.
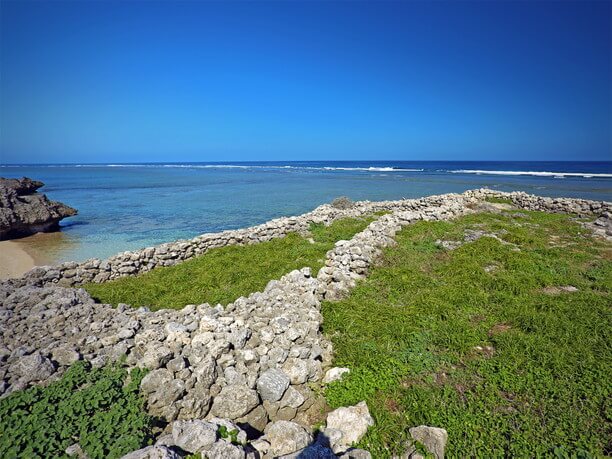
point(224, 450)
point(286, 437)
point(335, 374)
point(234, 401)
point(33, 367)
point(272, 384)
point(194, 436)
point(432, 438)
point(153, 452)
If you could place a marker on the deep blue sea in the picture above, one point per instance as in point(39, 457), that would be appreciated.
point(129, 206)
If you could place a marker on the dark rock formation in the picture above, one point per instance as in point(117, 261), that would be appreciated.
point(23, 211)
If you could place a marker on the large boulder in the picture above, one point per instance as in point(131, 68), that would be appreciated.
point(352, 421)
point(23, 211)
point(286, 437)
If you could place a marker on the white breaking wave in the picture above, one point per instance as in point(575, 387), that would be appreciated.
point(533, 173)
point(258, 166)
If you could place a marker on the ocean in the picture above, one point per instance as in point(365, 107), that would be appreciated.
point(129, 206)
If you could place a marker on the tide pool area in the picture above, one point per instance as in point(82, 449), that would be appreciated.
point(129, 206)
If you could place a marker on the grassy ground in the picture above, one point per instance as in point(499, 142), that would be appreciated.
point(481, 341)
point(224, 274)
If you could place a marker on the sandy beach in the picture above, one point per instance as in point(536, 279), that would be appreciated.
point(18, 256)
point(14, 260)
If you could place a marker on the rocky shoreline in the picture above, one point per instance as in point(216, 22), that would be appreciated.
point(24, 211)
point(250, 365)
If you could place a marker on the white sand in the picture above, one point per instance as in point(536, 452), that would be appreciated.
point(14, 260)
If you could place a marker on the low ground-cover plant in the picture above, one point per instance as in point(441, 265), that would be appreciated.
point(224, 274)
point(498, 200)
point(100, 409)
point(472, 340)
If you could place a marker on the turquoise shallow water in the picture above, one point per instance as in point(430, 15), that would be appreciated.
point(125, 207)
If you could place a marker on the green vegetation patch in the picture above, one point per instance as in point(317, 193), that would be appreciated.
point(224, 274)
point(100, 409)
point(485, 340)
point(497, 200)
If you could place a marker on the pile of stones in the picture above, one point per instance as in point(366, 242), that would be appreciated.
point(248, 366)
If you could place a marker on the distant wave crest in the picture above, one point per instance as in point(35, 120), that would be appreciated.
point(533, 173)
point(260, 166)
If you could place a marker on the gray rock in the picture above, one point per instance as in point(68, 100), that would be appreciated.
point(286, 437)
point(356, 453)
point(33, 367)
point(76, 451)
point(194, 436)
point(272, 384)
point(234, 402)
point(352, 421)
point(65, 356)
point(224, 450)
point(297, 370)
point(156, 380)
point(432, 438)
point(153, 452)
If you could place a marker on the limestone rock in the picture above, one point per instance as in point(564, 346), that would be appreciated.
point(33, 367)
point(234, 402)
point(152, 452)
point(194, 436)
point(352, 421)
point(335, 374)
point(286, 437)
point(272, 384)
point(224, 450)
point(432, 438)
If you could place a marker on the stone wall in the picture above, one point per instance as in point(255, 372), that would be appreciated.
point(249, 362)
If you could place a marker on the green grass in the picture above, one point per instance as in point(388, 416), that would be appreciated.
point(101, 409)
point(224, 274)
point(496, 200)
point(539, 386)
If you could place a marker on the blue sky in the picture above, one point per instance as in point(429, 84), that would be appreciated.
point(199, 81)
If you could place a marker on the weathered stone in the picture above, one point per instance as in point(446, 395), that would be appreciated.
point(352, 421)
point(432, 438)
point(194, 436)
point(153, 452)
point(272, 384)
point(334, 374)
point(286, 437)
point(65, 356)
point(297, 370)
point(155, 380)
point(224, 450)
point(234, 402)
point(33, 367)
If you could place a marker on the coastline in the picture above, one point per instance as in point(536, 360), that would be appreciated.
point(15, 261)
point(18, 256)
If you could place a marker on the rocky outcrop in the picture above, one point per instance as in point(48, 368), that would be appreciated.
point(23, 211)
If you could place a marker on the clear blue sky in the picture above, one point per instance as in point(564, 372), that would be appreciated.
point(196, 81)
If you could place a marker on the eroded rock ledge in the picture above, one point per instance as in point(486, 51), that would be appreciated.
point(250, 363)
point(23, 211)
